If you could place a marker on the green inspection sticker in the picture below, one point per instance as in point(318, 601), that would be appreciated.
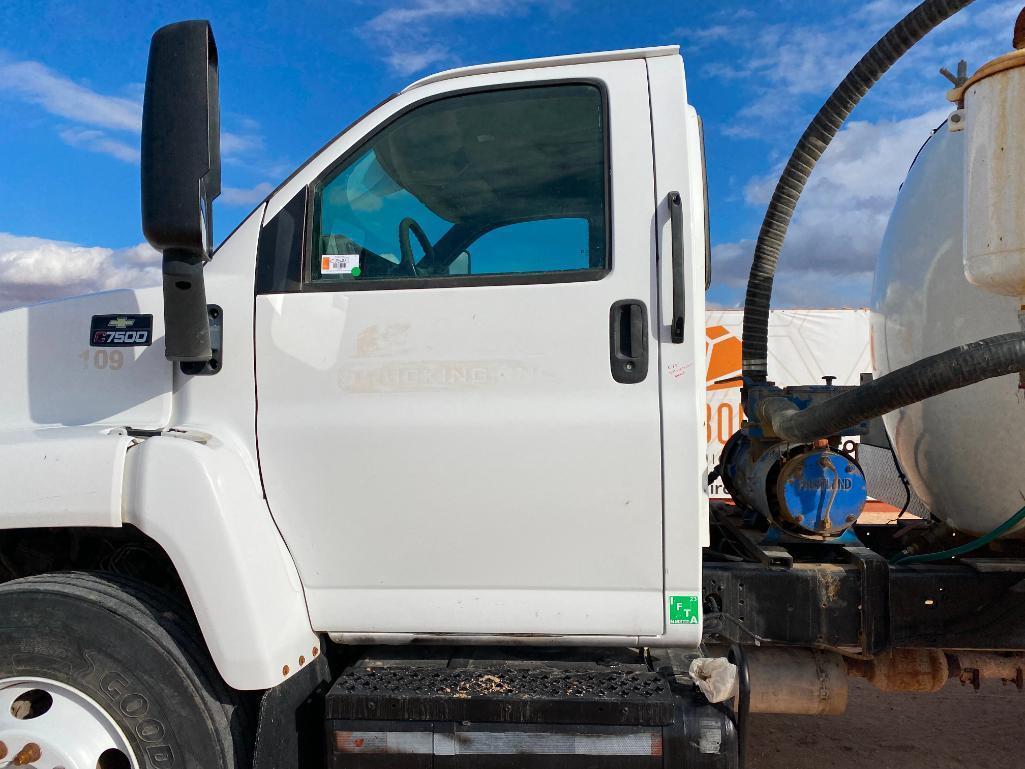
point(684, 610)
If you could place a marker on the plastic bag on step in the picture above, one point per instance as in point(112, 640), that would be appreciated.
point(716, 677)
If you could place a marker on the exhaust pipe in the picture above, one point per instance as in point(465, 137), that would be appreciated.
point(813, 682)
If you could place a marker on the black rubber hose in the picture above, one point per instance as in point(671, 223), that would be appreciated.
point(937, 374)
point(809, 149)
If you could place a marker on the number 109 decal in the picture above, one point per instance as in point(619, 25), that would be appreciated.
point(121, 331)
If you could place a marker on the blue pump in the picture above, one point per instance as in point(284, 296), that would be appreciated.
point(811, 492)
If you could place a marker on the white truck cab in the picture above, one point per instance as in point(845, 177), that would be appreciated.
point(446, 399)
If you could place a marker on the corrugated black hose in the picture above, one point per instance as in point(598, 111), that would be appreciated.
point(809, 149)
point(937, 374)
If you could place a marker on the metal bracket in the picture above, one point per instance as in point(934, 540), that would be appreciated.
point(212, 366)
point(875, 598)
point(960, 78)
point(751, 541)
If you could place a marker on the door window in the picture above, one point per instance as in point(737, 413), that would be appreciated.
point(540, 245)
point(481, 185)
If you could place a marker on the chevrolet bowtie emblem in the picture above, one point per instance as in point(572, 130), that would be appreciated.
point(121, 323)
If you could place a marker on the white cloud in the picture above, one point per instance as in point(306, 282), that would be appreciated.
point(65, 98)
point(235, 144)
point(401, 19)
point(697, 37)
point(884, 11)
point(822, 288)
point(243, 196)
point(786, 71)
point(406, 63)
point(783, 65)
point(98, 141)
point(37, 269)
point(808, 285)
point(405, 34)
point(839, 222)
point(95, 114)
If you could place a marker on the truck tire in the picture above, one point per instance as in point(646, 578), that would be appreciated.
point(93, 663)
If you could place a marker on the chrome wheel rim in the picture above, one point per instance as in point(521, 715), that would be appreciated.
point(47, 724)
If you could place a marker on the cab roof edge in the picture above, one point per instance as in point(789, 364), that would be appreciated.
point(549, 61)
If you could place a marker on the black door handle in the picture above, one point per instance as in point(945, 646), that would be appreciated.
point(679, 297)
point(628, 341)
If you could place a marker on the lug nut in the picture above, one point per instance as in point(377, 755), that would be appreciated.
point(27, 755)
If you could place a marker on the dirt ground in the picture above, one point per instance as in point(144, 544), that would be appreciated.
point(955, 728)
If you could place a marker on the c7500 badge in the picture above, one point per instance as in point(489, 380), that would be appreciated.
point(121, 331)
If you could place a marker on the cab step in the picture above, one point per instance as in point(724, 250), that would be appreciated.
point(536, 710)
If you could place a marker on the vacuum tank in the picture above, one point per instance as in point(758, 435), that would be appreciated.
point(961, 450)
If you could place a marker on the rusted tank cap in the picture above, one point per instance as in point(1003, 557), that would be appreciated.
point(999, 64)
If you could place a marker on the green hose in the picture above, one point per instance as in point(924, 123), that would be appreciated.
point(967, 547)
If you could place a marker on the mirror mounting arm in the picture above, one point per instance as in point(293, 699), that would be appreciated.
point(186, 326)
point(181, 176)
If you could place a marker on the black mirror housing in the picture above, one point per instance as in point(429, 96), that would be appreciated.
point(181, 176)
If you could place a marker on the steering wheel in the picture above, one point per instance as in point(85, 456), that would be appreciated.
point(406, 226)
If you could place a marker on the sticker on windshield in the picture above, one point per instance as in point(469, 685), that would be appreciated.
point(340, 264)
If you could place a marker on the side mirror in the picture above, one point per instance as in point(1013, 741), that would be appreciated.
point(181, 176)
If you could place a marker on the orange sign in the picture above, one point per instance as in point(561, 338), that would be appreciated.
point(723, 353)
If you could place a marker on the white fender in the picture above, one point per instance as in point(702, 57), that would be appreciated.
point(61, 476)
point(195, 497)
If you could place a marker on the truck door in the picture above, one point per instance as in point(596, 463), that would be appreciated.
point(457, 376)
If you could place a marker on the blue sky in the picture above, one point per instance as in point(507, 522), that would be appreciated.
point(294, 73)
